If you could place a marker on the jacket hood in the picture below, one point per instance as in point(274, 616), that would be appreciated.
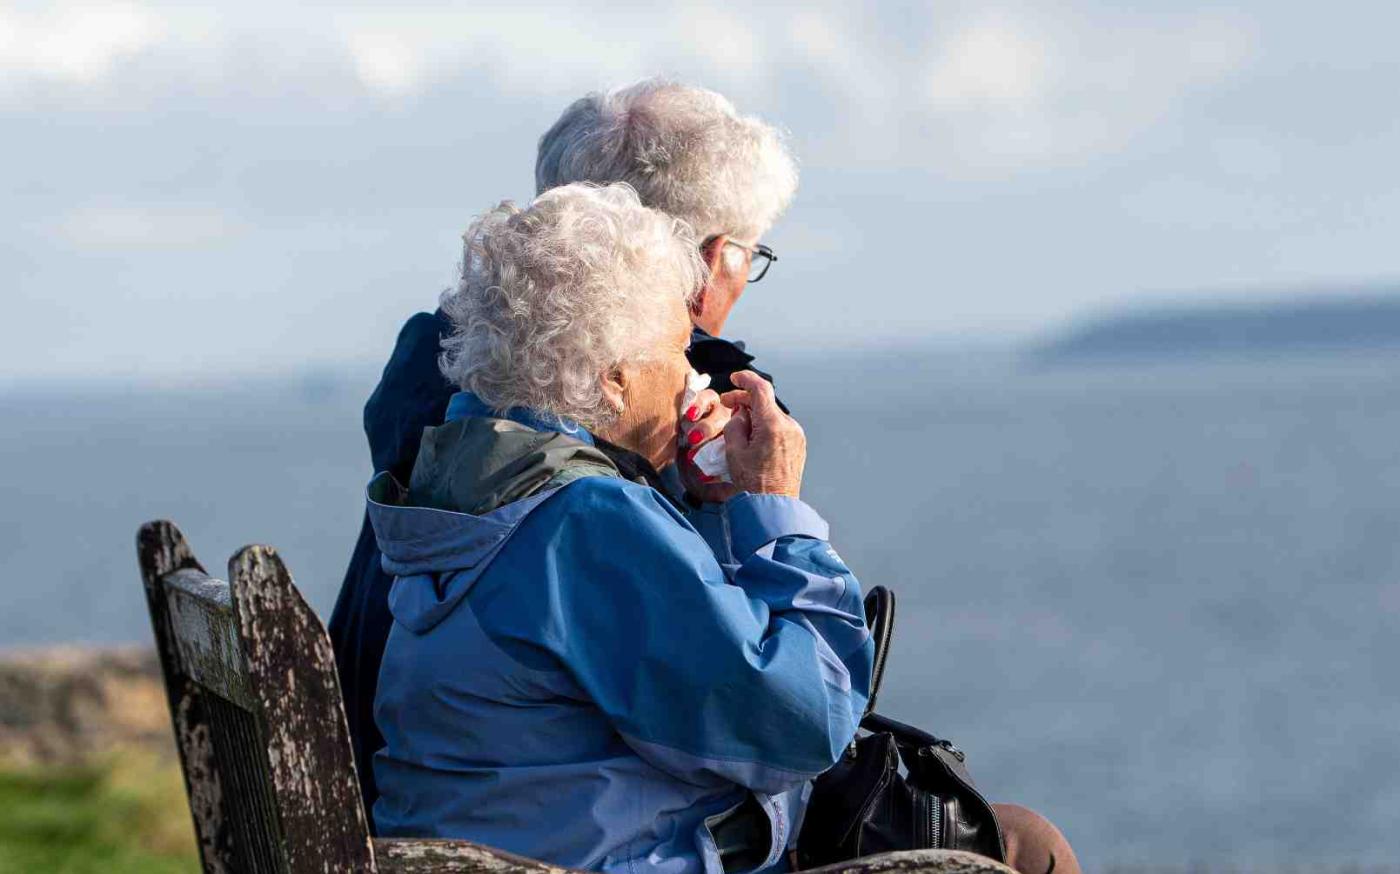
point(475, 481)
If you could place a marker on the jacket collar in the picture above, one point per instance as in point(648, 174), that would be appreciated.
point(465, 405)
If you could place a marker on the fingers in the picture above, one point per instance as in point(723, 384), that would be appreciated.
point(766, 448)
point(704, 402)
point(704, 430)
point(735, 399)
point(751, 382)
point(704, 419)
point(737, 432)
point(760, 392)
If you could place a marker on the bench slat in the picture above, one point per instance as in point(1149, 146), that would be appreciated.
point(290, 669)
point(206, 635)
point(420, 856)
point(162, 552)
point(918, 862)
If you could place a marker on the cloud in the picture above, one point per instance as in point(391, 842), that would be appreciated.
point(125, 227)
point(75, 44)
point(1014, 91)
point(842, 53)
point(387, 52)
point(966, 163)
point(995, 62)
point(542, 49)
point(385, 62)
point(967, 90)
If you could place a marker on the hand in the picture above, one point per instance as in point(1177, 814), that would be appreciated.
point(701, 423)
point(766, 447)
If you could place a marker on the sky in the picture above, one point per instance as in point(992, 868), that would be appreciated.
point(191, 190)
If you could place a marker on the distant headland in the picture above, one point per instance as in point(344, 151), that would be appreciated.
point(1317, 324)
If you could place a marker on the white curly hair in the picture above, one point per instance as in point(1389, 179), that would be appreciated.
point(556, 295)
point(686, 151)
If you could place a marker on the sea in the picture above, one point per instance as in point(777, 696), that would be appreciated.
point(1159, 602)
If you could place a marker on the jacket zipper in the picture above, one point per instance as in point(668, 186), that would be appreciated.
point(935, 816)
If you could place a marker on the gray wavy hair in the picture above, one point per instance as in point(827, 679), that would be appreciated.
point(685, 150)
point(554, 296)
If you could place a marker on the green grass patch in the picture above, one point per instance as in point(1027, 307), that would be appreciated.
point(124, 813)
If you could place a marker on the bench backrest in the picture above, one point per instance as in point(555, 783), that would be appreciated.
point(257, 712)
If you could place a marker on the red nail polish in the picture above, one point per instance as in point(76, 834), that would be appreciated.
point(690, 454)
point(693, 413)
point(693, 438)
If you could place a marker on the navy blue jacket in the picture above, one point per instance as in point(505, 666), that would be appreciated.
point(412, 395)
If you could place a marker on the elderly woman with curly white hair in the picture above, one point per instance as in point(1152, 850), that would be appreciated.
point(689, 153)
point(571, 674)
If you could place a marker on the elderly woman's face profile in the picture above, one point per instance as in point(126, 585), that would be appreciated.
point(652, 389)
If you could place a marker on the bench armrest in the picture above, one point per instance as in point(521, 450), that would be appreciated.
point(422, 855)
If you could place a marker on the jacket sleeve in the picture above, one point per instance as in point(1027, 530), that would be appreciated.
point(761, 680)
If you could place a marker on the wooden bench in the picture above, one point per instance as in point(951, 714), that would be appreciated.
point(263, 739)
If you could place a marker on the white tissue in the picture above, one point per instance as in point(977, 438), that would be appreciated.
point(713, 461)
point(694, 384)
point(709, 458)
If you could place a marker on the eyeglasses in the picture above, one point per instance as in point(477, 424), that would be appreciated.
point(761, 259)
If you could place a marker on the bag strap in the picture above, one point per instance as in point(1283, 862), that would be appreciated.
point(903, 732)
point(879, 616)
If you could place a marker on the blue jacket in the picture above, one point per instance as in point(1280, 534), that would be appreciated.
point(575, 677)
point(412, 395)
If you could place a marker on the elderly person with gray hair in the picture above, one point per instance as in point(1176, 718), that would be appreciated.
point(688, 153)
point(571, 674)
point(650, 678)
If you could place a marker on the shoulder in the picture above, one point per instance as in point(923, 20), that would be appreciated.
point(580, 566)
point(423, 330)
point(609, 500)
point(415, 354)
point(604, 555)
point(612, 528)
point(411, 394)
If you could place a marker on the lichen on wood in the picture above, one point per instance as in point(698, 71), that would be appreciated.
point(162, 552)
point(292, 677)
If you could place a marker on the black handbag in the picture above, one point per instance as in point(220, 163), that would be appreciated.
point(864, 805)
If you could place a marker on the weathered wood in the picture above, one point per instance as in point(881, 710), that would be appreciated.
point(292, 677)
point(161, 550)
point(918, 862)
point(419, 856)
point(206, 635)
point(415, 856)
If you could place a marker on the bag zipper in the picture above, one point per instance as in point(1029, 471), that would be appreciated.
point(935, 821)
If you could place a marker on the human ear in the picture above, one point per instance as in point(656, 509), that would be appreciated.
point(712, 253)
point(615, 383)
point(725, 263)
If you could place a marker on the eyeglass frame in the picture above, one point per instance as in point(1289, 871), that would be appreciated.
point(759, 250)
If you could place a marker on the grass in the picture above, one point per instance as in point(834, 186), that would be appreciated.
point(123, 813)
